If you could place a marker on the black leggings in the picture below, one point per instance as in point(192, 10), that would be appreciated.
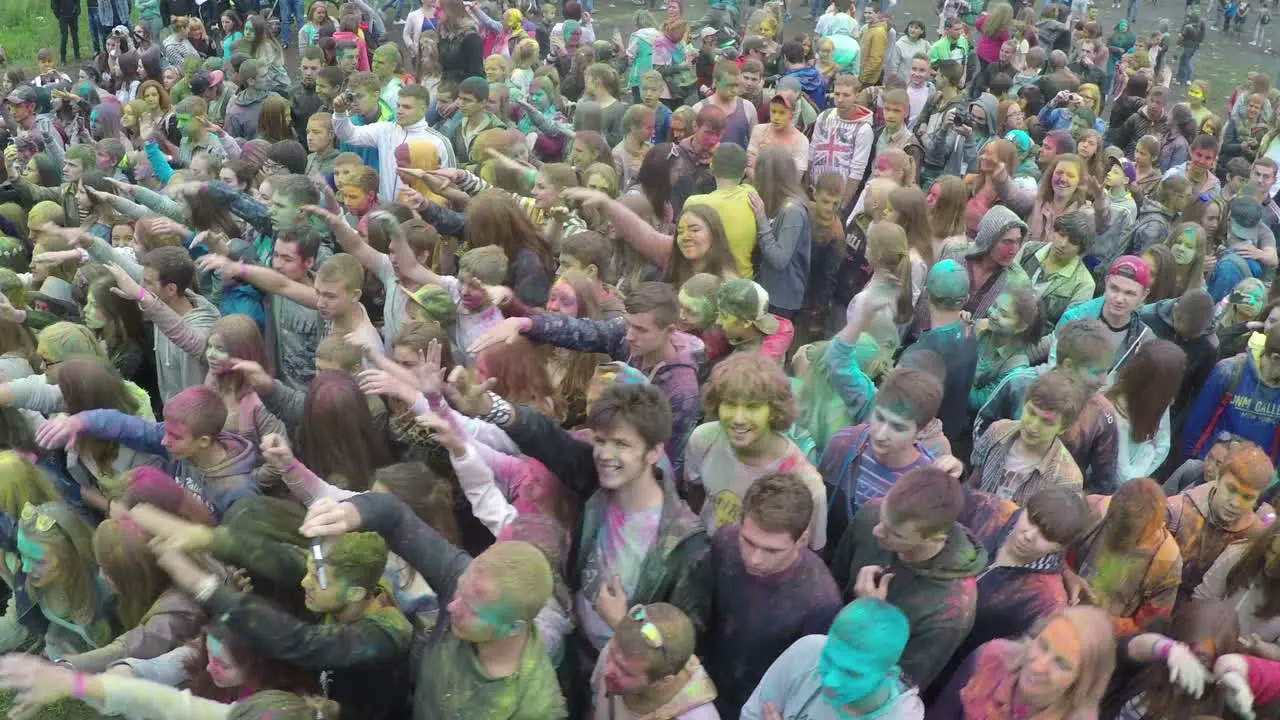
point(72, 26)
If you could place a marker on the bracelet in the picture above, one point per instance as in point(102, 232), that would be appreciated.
point(77, 687)
point(292, 466)
point(500, 411)
point(142, 295)
point(242, 271)
point(1163, 647)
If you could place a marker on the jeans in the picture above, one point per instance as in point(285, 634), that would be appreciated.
point(289, 10)
point(1258, 31)
point(1186, 66)
point(1132, 12)
point(72, 27)
point(399, 8)
point(97, 33)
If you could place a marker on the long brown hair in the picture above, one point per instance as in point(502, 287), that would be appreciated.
point(68, 542)
point(1146, 386)
point(493, 218)
point(338, 439)
point(520, 371)
point(1210, 629)
point(1251, 569)
point(16, 339)
point(579, 367)
point(123, 327)
point(429, 495)
point(274, 120)
point(1135, 514)
point(912, 214)
point(241, 339)
point(92, 384)
point(120, 547)
point(948, 215)
point(777, 180)
point(719, 259)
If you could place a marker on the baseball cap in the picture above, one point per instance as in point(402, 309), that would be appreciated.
point(746, 300)
point(1246, 215)
point(436, 302)
point(1115, 156)
point(22, 95)
point(706, 32)
point(1131, 267)
point(205, 79)
point(947, 283)
point(783, 98)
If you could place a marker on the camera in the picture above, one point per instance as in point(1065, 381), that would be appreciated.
point(961, 118)
point(350, 97)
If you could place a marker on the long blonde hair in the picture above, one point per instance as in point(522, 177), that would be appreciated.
point(999, 19)
point(888, 250)
point(1097, 657)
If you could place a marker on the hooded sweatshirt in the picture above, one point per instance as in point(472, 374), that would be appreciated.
point(1152, 226)
point(1234, 400)
point(938, 596)
point(812, 82)
point(176, 370)
point(219, 486)
point(387, 136)
point(995, 223)
point(982, 132)
point(242, 113)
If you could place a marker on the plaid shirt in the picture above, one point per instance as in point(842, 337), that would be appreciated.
point(991, 454)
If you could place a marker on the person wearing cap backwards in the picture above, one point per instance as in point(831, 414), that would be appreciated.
point(1122, 175)
point(1241, 398)
point(210, 86)
point(648, 669)
point(781, 131)
point(21, 103)
point(1124, 293)
point(850, 672)
point(1248, 248)
point(951, 339)
point(747, 323)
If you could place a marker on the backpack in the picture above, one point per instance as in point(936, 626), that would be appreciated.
point(1227, 397)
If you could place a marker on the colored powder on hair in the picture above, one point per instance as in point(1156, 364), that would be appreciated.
point(948, 279)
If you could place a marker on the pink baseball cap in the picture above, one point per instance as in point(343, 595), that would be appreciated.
point(1132, 267)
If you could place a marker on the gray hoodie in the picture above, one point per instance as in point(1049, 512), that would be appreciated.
point(998, 220)
point(176, 370)
point(982, 132)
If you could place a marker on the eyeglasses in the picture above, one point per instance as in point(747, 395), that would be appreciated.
point(650, 632)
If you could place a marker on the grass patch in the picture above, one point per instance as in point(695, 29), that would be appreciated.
point(64, 709)
point(28, 25)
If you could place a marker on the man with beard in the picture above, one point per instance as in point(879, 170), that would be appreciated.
point(1209, 517)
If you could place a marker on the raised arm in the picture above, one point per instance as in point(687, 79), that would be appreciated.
point(265, 279)
point(653, 245)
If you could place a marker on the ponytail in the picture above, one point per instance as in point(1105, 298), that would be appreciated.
point(906, 308)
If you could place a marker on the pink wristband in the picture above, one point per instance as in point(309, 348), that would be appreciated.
point(292, 466)
point(77, 689)
point(1163, 647)
point(142, 295)
point(241, 270)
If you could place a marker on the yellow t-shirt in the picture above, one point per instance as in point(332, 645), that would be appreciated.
point(738, 219)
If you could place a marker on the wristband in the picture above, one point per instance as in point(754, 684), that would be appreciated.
point(77, 687)
point(292, 466)
point(1163, 647)
point(242, 270)
point(142, 295)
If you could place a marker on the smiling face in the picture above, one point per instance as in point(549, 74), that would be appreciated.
point(1066, 178)
point(745, 422)
point(693, 237)
point(1052, 663)
point(1003, 317)
point(919, 72)
point(620, 455)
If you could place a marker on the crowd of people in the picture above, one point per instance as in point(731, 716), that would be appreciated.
point(360, 367)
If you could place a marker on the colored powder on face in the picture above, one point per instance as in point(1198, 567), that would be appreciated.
point(31, 552)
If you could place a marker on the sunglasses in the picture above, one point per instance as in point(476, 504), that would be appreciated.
point(650, 632)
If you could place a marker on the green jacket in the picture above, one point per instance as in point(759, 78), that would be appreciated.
point(1069, 286)
point(64, 195)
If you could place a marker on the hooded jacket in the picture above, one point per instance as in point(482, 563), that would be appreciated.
point(1233, 400)
point(698, 691)
point(176, 370)
point(1201, 538)
point(982, 133)
point(995, 223)
point(1202, 352)
point(219, 486)
point(944, 149)
point(812, 82)
point(938, 596)
point(243, 111)
point(1151, 226)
